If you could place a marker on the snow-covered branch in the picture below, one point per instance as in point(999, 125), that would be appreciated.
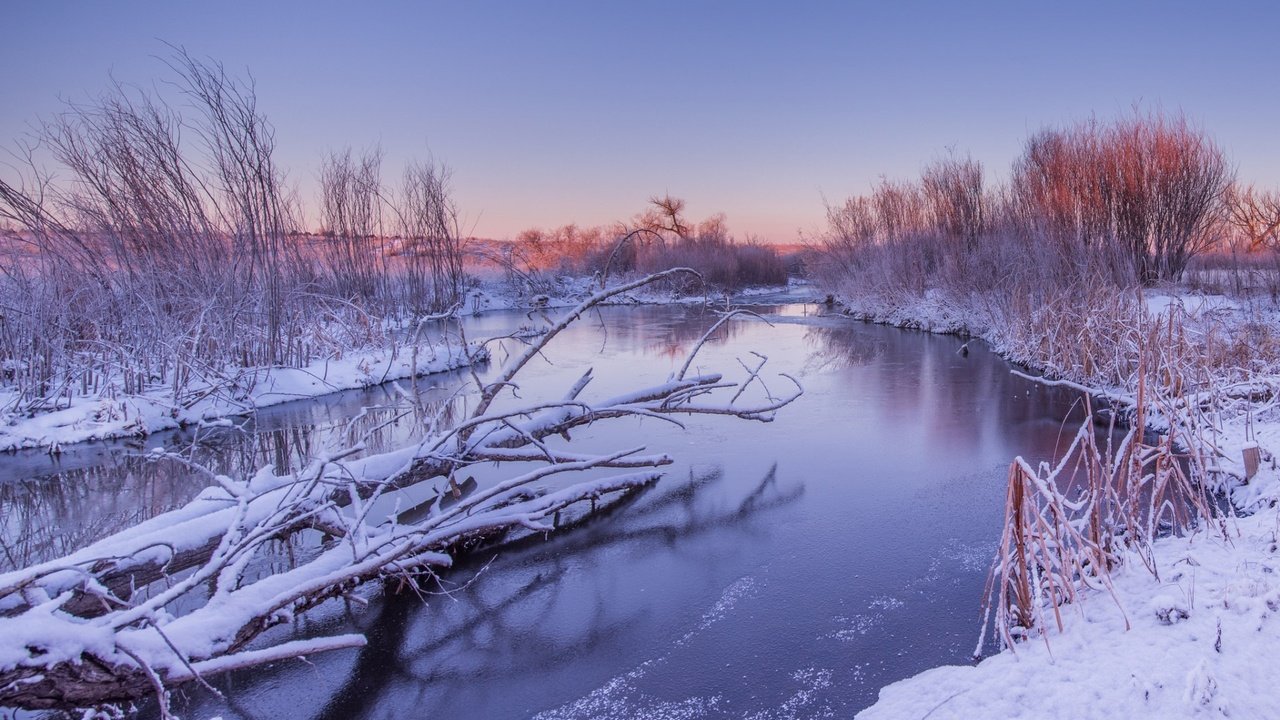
point(187, 592)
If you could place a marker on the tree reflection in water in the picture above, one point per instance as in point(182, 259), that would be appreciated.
point(57, 504)
point(503, 611)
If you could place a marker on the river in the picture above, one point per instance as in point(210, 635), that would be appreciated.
point(779, 570)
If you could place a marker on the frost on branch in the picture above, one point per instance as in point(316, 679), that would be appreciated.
point(184, 594)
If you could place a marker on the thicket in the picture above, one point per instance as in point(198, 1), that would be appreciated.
point(157, 246)
point(1128, 203)
point(1051, 263)
point(657, 239)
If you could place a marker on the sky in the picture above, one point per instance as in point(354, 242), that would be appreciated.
point(551, 112)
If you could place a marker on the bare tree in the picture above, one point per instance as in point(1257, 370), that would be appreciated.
point(1150, 185)
point(665, 214)
point(351, 213)
point(954, 194)
point(432, 244)
point(1255, 214)
point(240, 144)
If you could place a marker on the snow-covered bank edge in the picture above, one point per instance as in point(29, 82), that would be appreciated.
point(568, 291)
point(934, 314)
point(94, 418)
point(1192, 639)
point(1199, 642)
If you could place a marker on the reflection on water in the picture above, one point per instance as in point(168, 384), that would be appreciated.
point(487, 626)
point(52, 504)
point(787, 569)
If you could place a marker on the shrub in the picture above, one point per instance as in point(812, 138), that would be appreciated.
point(1151, 185)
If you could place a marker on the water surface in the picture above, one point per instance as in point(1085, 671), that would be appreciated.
point(779, 570)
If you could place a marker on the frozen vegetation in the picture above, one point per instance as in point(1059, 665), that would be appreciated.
point(168, 279)
point(171, 283)
point(1133, 580)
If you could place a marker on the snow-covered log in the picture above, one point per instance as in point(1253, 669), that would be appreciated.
point(186, 593)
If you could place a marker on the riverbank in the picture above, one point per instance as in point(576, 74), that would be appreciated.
point(111, 414)
point(86, 418)
point(567, 291)
point(1197, 642)
point(1190, 637)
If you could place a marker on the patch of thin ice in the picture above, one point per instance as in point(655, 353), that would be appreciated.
point(741, 588)
point(885, 602)
point(853, 627)
point(620, 698)
point(969, 557)
point(804, 700)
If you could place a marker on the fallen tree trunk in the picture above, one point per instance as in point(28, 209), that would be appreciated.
point(184, 593)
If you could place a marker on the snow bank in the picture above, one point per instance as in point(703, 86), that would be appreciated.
point(931, 313)
point(1158, 303)
point(94, 418)
point(1197, 638)
point(1201, 644)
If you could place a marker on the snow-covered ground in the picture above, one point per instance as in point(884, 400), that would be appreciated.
point(99, 418)
point(1201, 643)
point(1195, 639)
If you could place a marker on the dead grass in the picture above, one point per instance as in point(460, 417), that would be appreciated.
point(1069, 525)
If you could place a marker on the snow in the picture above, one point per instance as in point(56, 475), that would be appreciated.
point(297, 649)
point(1158, 303)
point(97, 418)
point(1201, 645)
point(1202, 630)
point(568, 291)
point(48, 637)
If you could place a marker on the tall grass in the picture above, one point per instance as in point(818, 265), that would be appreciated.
point(1070, 524)
point(162, 251)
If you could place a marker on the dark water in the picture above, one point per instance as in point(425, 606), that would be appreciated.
point(780, 570)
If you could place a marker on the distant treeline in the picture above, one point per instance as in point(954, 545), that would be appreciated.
point(1050, 265)
point(657, 239)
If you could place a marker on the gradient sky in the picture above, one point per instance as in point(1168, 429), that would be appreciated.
point(555, 112)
